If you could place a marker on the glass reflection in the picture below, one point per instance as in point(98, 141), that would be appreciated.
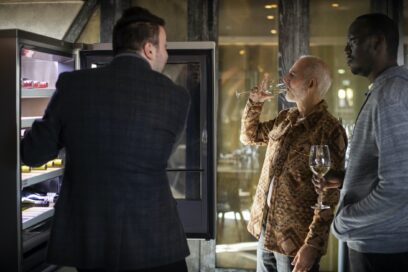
point(185, 162)
point(241, 68)
point(247, 51)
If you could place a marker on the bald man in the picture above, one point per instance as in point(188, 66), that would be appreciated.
point(293, 236)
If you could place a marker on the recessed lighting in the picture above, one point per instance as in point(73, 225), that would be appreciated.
point(341, 93)
point(335, 5)
point(273, 31)
point(242, 52)
point(271, 6)
point(270, 17)
point(341, 71)
point(349, 93)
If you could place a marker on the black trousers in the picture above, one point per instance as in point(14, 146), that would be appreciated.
point(180, 266)
point(377, 262)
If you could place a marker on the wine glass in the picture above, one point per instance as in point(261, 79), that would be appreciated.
point(319, 162)
point(268, 86)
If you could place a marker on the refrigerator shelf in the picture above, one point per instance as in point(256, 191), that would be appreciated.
point(36, 93)
point(26, 56)
point(28, 121)
point(35, 215)
point(37, 176)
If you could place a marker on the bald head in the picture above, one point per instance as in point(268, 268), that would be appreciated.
point(318, 69)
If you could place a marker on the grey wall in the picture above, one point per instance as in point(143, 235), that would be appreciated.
point(50, 18)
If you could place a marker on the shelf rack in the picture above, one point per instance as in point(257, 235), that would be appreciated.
point(37, 176)
point(36, 92)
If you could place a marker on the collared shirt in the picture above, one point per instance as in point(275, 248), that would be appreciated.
point(130, 54)
point(290, 220)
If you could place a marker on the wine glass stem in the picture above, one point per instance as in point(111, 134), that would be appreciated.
point(320, 199)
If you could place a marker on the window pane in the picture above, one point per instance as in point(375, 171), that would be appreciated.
point(328, 28)
point(327, 41)
point(184, 181)
point(247, 51)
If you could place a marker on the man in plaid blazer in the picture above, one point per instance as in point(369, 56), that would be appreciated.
point(118, 125)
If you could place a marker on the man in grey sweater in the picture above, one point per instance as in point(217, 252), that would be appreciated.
point(373, 212)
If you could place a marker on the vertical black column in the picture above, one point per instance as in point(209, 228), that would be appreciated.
point(111, 10)
point(293, 36)
point(202, 20)
point(394, 9)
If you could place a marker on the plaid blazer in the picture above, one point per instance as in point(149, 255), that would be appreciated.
point(118, 125)
point(290, 222)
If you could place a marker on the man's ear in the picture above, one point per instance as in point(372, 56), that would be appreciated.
point(312, 83)
point(379, 41)
point(148, 50)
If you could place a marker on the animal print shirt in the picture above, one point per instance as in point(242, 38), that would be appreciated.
point(289, 220)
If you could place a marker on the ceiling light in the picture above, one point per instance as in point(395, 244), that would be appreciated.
point(242, 52)
point(273, 31)
point(271, 6)
point(270, 17)
point(341, 93)
point(341, 71)
point(350, 93)
point(335, 5)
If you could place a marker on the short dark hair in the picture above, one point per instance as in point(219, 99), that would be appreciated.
point(381, 24)
point(134, 29)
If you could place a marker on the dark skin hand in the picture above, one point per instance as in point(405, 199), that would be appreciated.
point(323, 184)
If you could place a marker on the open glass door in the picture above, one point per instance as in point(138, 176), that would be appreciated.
point(191, 166)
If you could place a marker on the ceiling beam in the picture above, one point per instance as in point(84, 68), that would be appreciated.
point(80, 21)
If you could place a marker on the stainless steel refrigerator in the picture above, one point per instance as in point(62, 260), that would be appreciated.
point(29, 67)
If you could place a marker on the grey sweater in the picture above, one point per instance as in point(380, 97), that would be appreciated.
point(373, 211)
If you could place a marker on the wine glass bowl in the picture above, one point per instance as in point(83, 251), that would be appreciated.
point(272, 88)
point(319, 163)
